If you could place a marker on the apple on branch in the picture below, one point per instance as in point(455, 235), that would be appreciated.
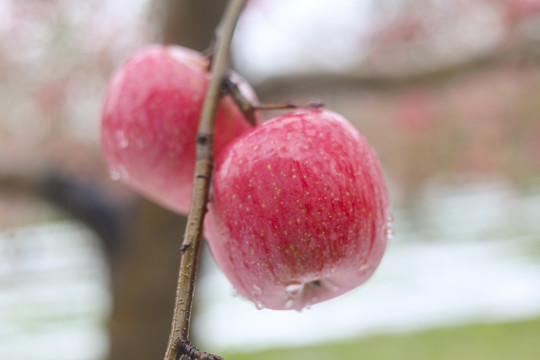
point(150, 119)
point(299, 212)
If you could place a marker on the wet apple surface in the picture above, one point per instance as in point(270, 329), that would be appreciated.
point(150, 120)
point(299, 211)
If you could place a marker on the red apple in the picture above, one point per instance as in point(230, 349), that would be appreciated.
point(300, 210)
point(150, 119)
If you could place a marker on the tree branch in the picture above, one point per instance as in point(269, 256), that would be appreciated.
point(523, 51)
point(249, 108)
point(21, 182)
point(179, 336)
point(85, 201)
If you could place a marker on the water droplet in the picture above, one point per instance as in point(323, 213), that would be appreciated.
point(259, 305)
point(389, 230)
point(289, 304)
point(314, 300)
point(122, 139)
point(115, 175)
point(119, 173)
point(294, 289)
point(363, 267)
point(256, 291)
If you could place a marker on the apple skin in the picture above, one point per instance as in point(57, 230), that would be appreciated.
point(150, 119)
point(299, 212)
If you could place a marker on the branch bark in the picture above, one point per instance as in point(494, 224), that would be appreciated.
point(521, 52)
point(179, 337)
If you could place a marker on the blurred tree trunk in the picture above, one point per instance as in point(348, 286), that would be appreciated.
point(144, 282)
point(190, 23)
point(144, 278)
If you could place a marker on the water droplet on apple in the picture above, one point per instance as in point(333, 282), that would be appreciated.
point(122, 173)
point(256, 291)
point(289, 304)
point(389, 230)
point(259, 305)
point(294, 289)
point(122, 139)
point(363, 267)
point(115, 175)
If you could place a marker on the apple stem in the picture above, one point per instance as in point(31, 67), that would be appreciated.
point(248, 108)
point(231, 87)
point(178, 344)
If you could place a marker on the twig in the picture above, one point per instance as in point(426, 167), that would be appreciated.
point(231, 87)
point(201, 181)
point(185, 348)
point(249, 108)
point(290, 105)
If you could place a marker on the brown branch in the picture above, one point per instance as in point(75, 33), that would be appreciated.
point(21, 182)
point(231, 87)
point(84, 201)
point(201, 182)
point(185, 348)
point(249, 108)
point(522, 52)
point(315, 104)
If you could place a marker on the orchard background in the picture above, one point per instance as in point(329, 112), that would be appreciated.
point(447, 92)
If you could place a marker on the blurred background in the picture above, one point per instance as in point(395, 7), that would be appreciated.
point(447, 92)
